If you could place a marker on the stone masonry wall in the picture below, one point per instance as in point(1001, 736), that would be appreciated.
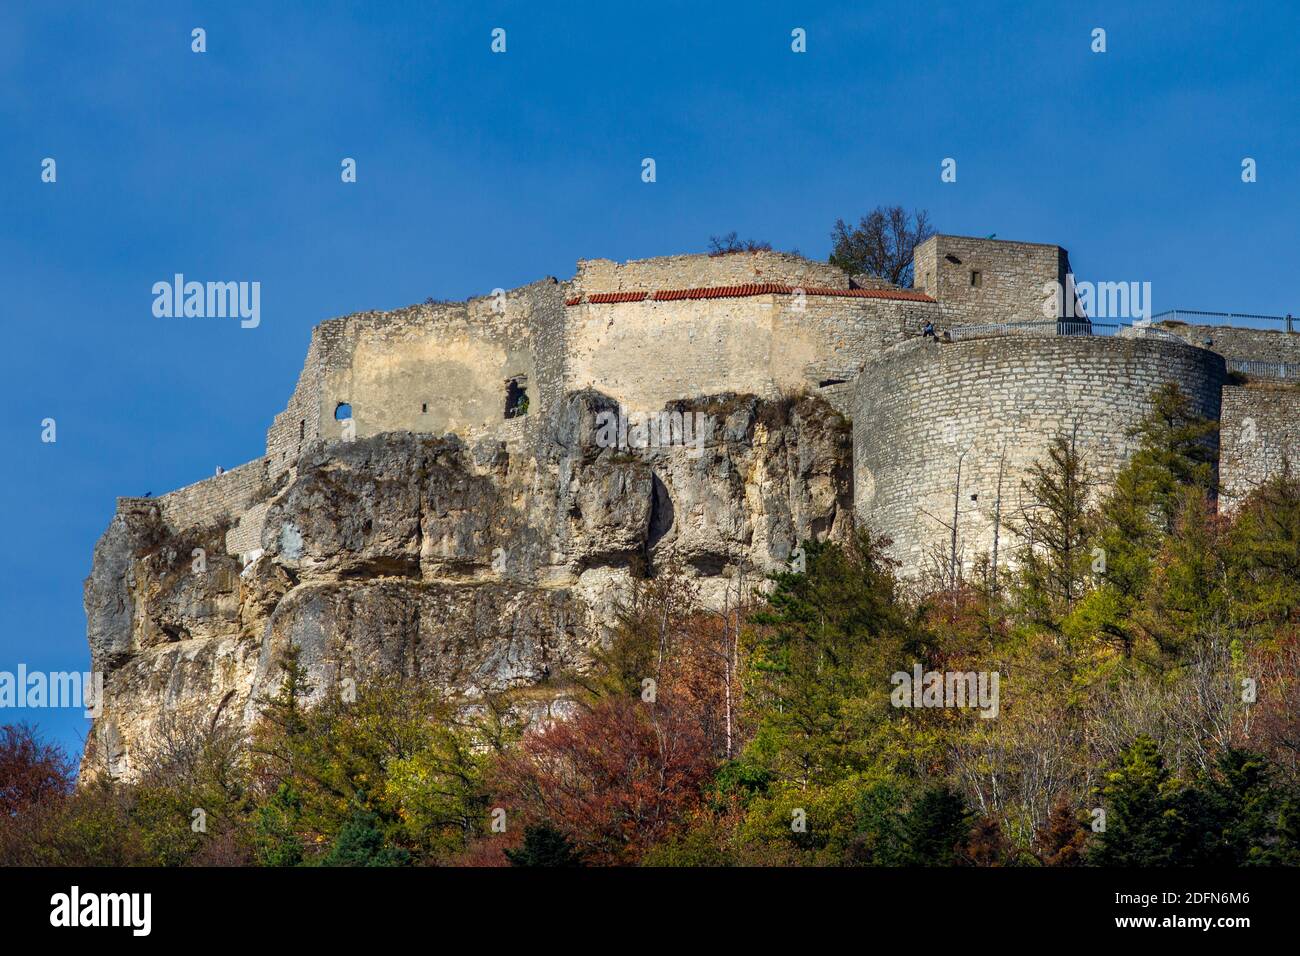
point(235, 499)
point(432, 368)
point(215, 500)
point(300, 421)
point(1259, 430)
point(705, 272)
point(646, 353)
point(1253, 345)
point(1011, 278)
point(996, 404)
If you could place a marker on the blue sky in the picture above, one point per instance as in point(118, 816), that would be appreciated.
point(478, 170)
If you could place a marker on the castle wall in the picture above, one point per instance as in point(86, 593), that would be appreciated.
point(649, 352)
point(220, 499)
point(432, 368)
point(1259, 430)
point(547, 315)
point(236, 499)
point(922, 405)
point(1012, 276)
point(301, 419)
point(1250, 345)
point(705, 272)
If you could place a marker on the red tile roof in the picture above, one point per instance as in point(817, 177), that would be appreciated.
point(749, 288)
point(606, 297)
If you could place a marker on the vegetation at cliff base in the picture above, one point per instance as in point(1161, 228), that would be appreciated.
point(1123, 694)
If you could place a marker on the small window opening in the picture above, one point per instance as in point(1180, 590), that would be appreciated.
point(516, 398)
point(302, 429)
point(424, 408)
point(342, 412)
point(976, 278)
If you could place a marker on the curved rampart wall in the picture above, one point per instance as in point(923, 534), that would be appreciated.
point(995, 405)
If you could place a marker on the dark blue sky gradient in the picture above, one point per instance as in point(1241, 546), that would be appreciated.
point(479, 170)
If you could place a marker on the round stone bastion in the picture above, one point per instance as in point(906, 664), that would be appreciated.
point(937, 425)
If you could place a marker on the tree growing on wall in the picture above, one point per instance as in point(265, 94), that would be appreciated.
point(881, 244)
point(731, 242)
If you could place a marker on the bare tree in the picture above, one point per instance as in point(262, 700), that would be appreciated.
point(723, 245)
point(881, 244)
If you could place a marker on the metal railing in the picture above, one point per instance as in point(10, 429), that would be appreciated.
point(1043, 327)
point(1286, 371)
point(1233, 319)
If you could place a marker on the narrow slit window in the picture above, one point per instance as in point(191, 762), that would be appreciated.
point(976, 278)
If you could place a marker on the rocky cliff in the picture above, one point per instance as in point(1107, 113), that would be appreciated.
point(477, 565)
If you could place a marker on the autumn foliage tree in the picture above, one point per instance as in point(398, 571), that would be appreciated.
point(31, 771)
point(615, 779)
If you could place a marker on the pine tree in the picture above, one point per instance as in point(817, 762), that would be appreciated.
point(816, 658)
point(1053, 524)
point(360, 842)
point(1136, 803)
point(1176, 449)
point(936, 828)
point(1265, 551)
point(1175, 453)
point(544, 845)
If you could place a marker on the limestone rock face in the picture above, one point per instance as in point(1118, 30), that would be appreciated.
point(478, 566)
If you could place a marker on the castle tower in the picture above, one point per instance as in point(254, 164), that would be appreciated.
point(989, 280)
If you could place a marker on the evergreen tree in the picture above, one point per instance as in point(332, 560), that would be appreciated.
point(1136, 801)
point(817, 659)
point(1188, 599)
point(276, 839)
point(1265, 550)
point(1175, 452)
point(361, 843)
point(544, 845)
point(936, 829)
point(1053, 524)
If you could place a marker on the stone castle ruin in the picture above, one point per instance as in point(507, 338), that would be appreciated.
point(435, 499)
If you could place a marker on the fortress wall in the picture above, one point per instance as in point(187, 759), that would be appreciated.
point(1012, 277)
point(850, 332)
point(221, 499)
point(704, 271)
point(645, 354)
point(442, 369)
point(300, 421)
point(431, 368)
point(1256, 345)
point(246, 535)
point(922, 404)
point(546, 319)
point(1260, 429)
